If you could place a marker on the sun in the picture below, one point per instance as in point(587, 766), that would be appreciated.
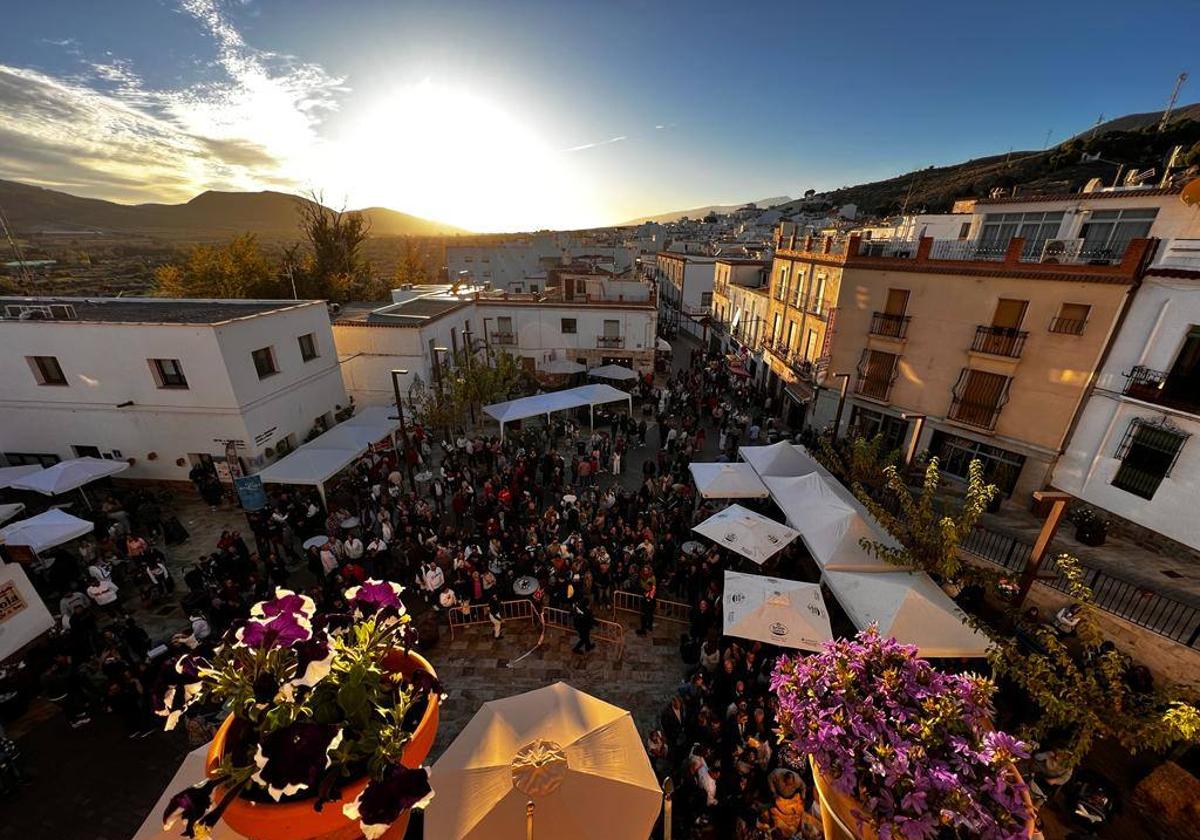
point(457, 156)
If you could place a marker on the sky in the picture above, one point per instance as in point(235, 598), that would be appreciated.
point(516, 115)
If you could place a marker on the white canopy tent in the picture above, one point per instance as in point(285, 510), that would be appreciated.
point(379, 416)
point(727, 481)
point(10, 474)
point(663, 345)
point(813, 509)
point(25, 616)
point(781, 458)
point(617, 372)
point(343, 436)
point(543, 405)
point(910, 607)
point(310, 465)
point(46, 530)
point(787, 613)
point(7, 512)
point(68, 475)
point(748, 533)
point(563, 366)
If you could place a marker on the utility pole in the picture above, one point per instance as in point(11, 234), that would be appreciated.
point(1166, 117)
point(469, 349)
point(396, 374)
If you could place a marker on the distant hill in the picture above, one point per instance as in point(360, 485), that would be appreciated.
point(211, 214)
point(701, 212)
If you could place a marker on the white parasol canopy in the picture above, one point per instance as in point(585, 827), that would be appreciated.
point(618, 372)
point(787, 613)
point(748, 533)
point(578, 759)
point(911, 608)
point(10, 474)
point(663, 345)
point(46, 530)
point(781, 458)
point(563, 366)
point(7, 512)
point(68, 475)
point(815, 510)
point(727, 481)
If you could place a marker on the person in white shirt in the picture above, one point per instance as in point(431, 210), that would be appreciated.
point(329, 559)
point(434, 578)
point(698, 764)
point(103, 592)
point(353, 547)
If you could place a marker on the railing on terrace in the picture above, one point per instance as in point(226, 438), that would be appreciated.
point(999, 341)
point(610, 341)
point(1068, 326)
point(821, 307)
point(904, 248)
point(890, 326)
point(1150, 610)
point(1155, 386)
point(1180, 253)
point(1071, 252)
point(967, 249)
point(875, 387)
point(974, 413)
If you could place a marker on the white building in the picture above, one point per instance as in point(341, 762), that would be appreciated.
point(586, 316)
point(1135, 451)
point(685, 290)
point(520, 265)
point(163, 383)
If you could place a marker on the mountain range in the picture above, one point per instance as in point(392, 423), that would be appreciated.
point(701, 212)
point(211, 214)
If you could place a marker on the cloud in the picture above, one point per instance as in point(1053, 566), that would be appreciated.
point(619, 139)
point(104, 132)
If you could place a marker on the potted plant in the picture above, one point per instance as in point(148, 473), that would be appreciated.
point(1090, 527)
point(899, 749)
point(330, 717)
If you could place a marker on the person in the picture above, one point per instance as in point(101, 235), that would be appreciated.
point(583, 619)
point(494, 614)
point(649, 600)
point(1068, 618)
point(104, 594)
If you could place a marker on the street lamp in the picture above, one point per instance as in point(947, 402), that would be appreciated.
point(837, 420)
point(919, 420)
point(441, 396)
point(470, 351)
point(396, 374)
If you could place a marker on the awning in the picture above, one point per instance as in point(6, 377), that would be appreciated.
point(10, 474)
point(738, 370)
point(539, 405)
point(309, 465)
point(801, 392)
point(663, 345)
point(619, 373)
point(727, 481)
point(787, 613)
point(377, 416)
point(7, 512)
point(562, 366)
point(68, 475)
point(343, 436)
point(46, 530)
point(909, 607)
point(748, 533)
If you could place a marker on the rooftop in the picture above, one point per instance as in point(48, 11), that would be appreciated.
point(143, 310)
point(410, 313)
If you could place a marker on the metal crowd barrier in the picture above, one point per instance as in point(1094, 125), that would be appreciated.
point(606, 631)
point(603, 630)
point(665, 609)
point(465, 616)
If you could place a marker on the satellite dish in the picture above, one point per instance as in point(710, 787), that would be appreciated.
point(1191, 193)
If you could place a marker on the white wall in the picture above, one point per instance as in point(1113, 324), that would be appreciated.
point(1163, 310)
point(107, 365)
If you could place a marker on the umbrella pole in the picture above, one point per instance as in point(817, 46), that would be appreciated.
point(668, 789)
point(529, 820)
point(86, 500)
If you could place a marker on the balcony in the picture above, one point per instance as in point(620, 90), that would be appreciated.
point(1159, 387)
point(1179, 253)
point(610, 342)
point(875, 387)
point(982, 415)
point(999, 341)
point(505, 338)
point(890, 326)
point(967, 249)
point(1068, 326)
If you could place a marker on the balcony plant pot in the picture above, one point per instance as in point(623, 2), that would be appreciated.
point(844, 818)
point(1091, 533)
point(297, 819)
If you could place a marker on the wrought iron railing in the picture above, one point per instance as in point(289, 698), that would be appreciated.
point(1068, 326)
point(1156, 386)
point(504, 337)
point(890, 326)
point(610, 341)
point(967, 249)
point(975, 413)
point(999, 341)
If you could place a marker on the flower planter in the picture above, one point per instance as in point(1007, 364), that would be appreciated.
point(298, 820)
point(842, 818)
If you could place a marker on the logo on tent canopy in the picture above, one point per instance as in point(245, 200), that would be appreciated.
point(730, 537)
point(772, 539)
point(779, 629)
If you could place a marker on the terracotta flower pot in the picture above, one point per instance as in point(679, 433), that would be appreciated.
point(298, 820)
point(843, 818)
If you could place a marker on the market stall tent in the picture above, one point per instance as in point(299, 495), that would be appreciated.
point(909, 607)
point(787, 613)
point(10, 474)
point(750, 534)
point(617, 372)
point(23, 615)
point(559, 366)
point(781, 458)
point(68, 475)
point(343, 436)
point(543, 405)
point(382, 417)
point(7, 512)
point(46, 530)
point(727, 481)
point(310, 465)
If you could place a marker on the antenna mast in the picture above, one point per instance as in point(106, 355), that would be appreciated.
point(1166, 117)
point(22, 268)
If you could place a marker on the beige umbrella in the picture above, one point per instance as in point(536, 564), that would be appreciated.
point(579, 761)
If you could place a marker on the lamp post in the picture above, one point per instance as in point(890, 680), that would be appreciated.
point(441, 395)
point(396, 374)
point(911, 451)
point(837, 420)
point(469, 351)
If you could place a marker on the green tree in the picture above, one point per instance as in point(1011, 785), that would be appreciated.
point(1084, 693)
point(334, 268)
point(411, 268)
point(237, 269)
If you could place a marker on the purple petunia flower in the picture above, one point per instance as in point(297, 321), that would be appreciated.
point(293, 758)
point(177, 688)
point(376, 596)
point(285, 602)
point(383, 800)
point(189, 805)
point(279, 631)
point(314, 661)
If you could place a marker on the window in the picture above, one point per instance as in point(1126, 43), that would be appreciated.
point(866, 423)
point(705, 300)
point(1147, 454)
point(1071, 319)
point(168, 373)
point(504, 324)
point(775, 329)
point(810, 349)
point(790, 334)
point(782, 287)
point(955, 454)
point(965, 230)
point(1107, 233)
point(308, 347)
point(1034, 228)
point(534, 288)
point(817, 304)
point(20, 459)
point(612, 329)
point(568, 326)
point(86, 451)
point(46, 370)
point(897, 302)
point(978, 397)
point(876, 372)
point(264, 362)
point(799, 289)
